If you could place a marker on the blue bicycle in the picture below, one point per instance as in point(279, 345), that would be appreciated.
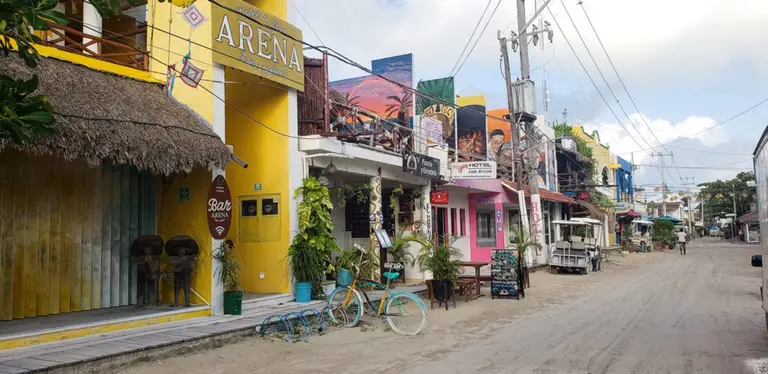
point(403, 312)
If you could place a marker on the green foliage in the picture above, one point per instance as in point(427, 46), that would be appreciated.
point(399, 251)
point(360, 193)
point(228, 273)
point(23, 115)
point(522, 241)
point(718, 195)
point(310, 251)
point(442, 261)
point(663, 232)
point(366, 261)
point(113, 7)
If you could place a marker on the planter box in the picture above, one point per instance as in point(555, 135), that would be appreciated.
point(233, 302)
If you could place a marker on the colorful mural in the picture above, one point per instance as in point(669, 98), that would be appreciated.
point(499, 138)
point(443, 90)
point(374, 94)
point(470, 127)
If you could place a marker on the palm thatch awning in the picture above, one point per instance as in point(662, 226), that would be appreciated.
point(105, 116)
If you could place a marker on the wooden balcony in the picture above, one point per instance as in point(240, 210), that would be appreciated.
point(119, 48)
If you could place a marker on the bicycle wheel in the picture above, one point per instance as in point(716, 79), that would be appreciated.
point(348, 315)
point(406, 314)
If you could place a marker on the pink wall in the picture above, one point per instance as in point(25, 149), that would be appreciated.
point(496, 200)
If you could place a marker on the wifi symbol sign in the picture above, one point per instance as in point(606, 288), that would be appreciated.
point(220, 230)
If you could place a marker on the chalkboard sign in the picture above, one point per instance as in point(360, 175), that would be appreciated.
point(504, 274)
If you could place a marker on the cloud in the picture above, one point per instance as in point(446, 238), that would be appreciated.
point(637, 137)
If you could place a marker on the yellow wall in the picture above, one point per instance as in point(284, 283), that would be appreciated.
point(187, 218)
point(267, 156)
point(601, 154)
point(164, 53)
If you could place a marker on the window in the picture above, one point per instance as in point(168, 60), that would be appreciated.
point(462, 222)
point(605, 176)
point(547, 228)
point(486, 225)
point(454, 229)
point(256, 226)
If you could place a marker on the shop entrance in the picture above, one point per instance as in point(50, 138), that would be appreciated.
point(440, 227)
point(66, 229)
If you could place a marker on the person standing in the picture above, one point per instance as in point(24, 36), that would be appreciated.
point(682, 240)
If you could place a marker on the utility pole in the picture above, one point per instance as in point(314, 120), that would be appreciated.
point(511, 106)
point(525, 67)
point(663, 184)
point(690, 203)
point(632, 158)
point(565, 116)
point(733, 223)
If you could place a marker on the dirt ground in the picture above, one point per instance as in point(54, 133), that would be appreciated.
point(645, 313)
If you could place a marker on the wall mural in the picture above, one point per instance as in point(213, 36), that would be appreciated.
point(374, 94)
point(443, 90)
point(499, 138)
point(470, 127)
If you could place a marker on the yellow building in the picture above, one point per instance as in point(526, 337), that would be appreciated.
point(130, 159)
point(605, 164)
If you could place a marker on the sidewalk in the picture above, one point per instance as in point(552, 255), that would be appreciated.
point(106, 352)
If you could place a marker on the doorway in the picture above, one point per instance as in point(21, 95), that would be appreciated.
point(440, 226)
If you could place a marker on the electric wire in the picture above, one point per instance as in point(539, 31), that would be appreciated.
point(478, 38)
point(469, 40)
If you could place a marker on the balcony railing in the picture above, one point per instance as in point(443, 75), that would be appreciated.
point(112, 47)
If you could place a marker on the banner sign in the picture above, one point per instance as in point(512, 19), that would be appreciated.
point(257, 42)
point(473, 170)
point(433, 130)
point(438, 197)
point(421, 165)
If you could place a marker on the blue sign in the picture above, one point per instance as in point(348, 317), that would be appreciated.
point(570, 194)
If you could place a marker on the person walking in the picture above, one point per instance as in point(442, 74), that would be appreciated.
point(682, 240)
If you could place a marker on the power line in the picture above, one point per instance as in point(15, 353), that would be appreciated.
point(581, 63)
point(477, 25)
point(712, 152)
point(478, 38)
point(753, 107)
point(309, 24)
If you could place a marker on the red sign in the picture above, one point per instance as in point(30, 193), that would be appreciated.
point(583, 196)
point(438, 197)
point(219, 208)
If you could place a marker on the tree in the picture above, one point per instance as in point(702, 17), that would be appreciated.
point(24, 115)
point(718, 196)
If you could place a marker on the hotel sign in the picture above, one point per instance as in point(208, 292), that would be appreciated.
point(257, 42)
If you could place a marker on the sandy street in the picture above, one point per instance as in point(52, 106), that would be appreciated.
point(646, 313)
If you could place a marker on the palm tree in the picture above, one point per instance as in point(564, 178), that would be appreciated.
point(400, 107)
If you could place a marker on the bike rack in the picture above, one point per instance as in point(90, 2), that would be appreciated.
point(285, 325)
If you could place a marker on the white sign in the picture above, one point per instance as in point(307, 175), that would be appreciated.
point(473, 170)
point(433, 130)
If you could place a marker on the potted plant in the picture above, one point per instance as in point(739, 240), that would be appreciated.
point(400, 254)
point(228, 274)
point(522, 242)
point(442, 261)
point(310, 251)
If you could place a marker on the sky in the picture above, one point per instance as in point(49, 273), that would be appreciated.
point(688, 65)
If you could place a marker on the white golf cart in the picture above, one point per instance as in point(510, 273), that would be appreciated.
point(580, 249)
point(642, 235)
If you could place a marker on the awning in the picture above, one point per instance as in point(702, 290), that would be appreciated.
point(105, 116)
point(543, 194)
point(751, 217)
point(668, 218)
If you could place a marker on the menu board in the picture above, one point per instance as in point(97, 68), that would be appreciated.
point(504, 274)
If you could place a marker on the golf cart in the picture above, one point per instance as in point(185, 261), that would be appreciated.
point(580, 249)
point(641, 235)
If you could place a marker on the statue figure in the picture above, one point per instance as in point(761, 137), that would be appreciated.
point(182, 253)
point(148, 251)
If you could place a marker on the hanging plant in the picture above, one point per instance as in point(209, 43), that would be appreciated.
point(398, 191)
point(363, 192)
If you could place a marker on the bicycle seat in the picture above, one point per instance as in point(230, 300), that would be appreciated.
point(391, 276)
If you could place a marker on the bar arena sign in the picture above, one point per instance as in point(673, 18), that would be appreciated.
point(219, 208)
point(257, 42)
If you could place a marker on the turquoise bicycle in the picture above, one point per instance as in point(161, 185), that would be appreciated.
point(403, 312)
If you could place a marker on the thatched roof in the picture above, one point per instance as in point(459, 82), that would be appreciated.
point(105, 116)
